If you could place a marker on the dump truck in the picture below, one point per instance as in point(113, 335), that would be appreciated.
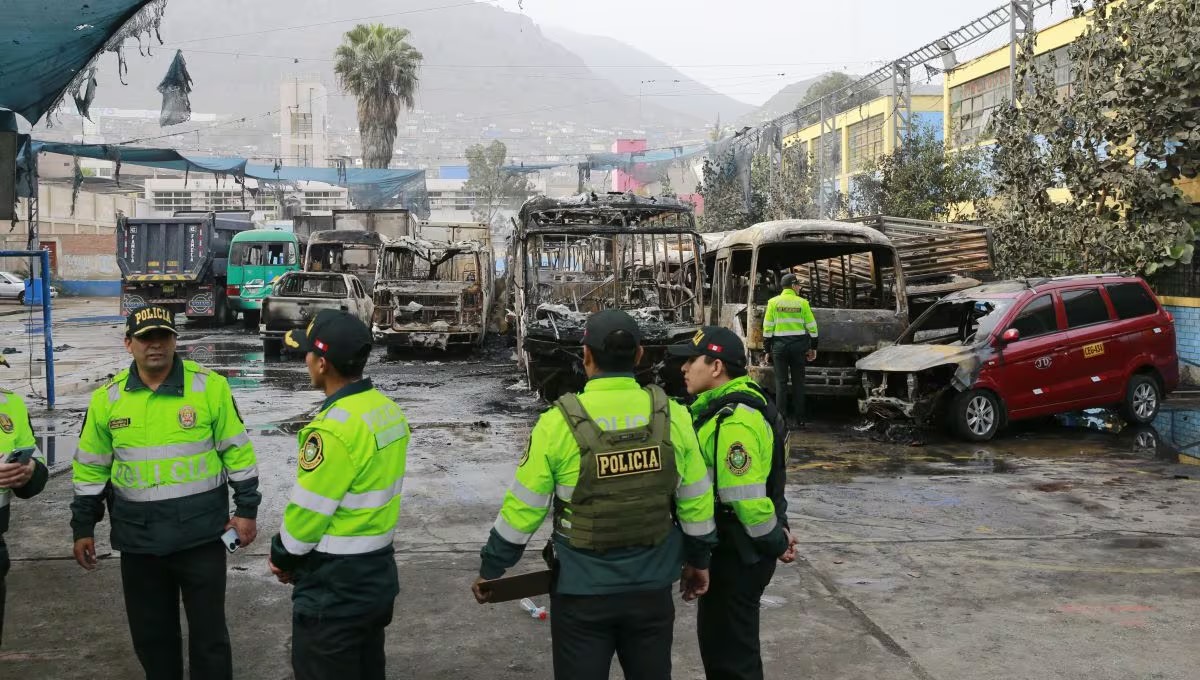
point(179, 262)
point(576, 256)
point(432, 294)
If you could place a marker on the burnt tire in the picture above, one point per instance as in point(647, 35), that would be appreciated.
point(21, 298)
point(272, 348)
point(250, 319)
point(976, 415)
point(1143, 398)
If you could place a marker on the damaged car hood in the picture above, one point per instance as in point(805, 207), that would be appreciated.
point(914, 358)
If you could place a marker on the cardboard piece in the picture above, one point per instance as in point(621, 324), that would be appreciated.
point(509, 588)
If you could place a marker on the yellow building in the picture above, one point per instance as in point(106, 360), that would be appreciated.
point(974, 89)
point(863, 134)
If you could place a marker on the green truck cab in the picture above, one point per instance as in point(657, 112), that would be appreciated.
point(256, 259)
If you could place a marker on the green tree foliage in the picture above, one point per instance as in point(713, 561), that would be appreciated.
point(778, 191)
point(919, 181)
point(494, 188)
point(1117, 145)
point(376, 64)
point(833, 82)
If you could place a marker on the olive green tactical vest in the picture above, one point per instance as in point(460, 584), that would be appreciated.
point(627, 479)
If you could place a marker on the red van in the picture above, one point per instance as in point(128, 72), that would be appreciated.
point(1021, 349)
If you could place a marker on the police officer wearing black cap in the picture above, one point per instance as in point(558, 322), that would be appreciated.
point(632, 505)
point(742, 439)
point(335, 545)
point(162, 445)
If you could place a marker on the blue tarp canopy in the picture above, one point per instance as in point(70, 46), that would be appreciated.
point(45, 43)
point(368, 188)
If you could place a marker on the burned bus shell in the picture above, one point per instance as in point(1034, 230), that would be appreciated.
point(849, 275)
point(433, 295)
point(573, 257)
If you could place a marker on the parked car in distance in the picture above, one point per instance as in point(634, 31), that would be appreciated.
point(1021, 349)
point(297, 297)
point(12, 287)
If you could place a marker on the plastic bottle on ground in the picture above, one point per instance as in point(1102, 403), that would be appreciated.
point(535, 611)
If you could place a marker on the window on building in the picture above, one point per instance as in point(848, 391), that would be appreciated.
point(1131, 300)
point(170, 201)
point(972, 104)
point(1084, 307)
point(1064, 71)
point(866, 142)
point(301, 123)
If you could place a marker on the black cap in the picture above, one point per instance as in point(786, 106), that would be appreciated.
point(602, 324)
point(713, 341)
point(788, 280)
point(143, 320)
point(338, 336)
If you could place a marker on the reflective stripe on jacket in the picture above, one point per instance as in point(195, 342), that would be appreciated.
point(788, 315)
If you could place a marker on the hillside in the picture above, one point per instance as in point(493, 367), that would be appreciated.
point(780, 103)
point(638, 73)
point(480, 62)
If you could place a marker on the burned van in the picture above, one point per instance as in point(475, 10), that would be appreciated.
point(433, 295)
point(850, 276)
point(576, 256)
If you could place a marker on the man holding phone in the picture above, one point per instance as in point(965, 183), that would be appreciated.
point(22, 471)
point(161, 446)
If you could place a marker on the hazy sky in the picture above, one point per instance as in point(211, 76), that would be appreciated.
point(795, 37)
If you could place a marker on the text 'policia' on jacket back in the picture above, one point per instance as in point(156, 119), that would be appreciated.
point(178, 262)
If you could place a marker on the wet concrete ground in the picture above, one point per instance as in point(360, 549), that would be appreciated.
point(1052, 552)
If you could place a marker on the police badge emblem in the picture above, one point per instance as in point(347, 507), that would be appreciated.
point(6, 423)
point(187, 417)
point(737, 460)
point(312, 453)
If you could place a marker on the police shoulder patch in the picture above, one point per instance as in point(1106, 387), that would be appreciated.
point(737, 459)
point(6, 423)
point(525, 456)
point(312, 452)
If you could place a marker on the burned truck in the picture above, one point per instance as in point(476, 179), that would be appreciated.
point(576, 256)
point(345, 252)
point(432, 295)
point(850, 275)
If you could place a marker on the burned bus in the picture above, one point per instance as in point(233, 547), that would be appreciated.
point(345, 252)
point(576, 256)
point(850, 275)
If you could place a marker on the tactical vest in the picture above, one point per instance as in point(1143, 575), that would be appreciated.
point(626, 487)
point(727, 525)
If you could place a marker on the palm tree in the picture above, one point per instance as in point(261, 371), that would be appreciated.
point(376, 65)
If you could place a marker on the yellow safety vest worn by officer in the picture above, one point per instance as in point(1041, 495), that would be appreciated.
point(338, 528)
point(163, 458)
point(789, 315)
point(550, 469)
point(16, 433)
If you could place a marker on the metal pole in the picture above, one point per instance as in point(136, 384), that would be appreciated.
point(47, 332)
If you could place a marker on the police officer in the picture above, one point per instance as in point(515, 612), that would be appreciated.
point(335, 545)
point(742, 441)
point(616, 462)
point(23, 480)
point(161, 445)
point(790, 338)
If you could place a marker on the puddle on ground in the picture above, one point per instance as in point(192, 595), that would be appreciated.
point(838, 452)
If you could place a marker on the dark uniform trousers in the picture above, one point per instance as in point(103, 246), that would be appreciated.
point(728, 617)
point(789, 356)
point(153, 586)
point(587, 629)
point(340, 648)
point(4, 564)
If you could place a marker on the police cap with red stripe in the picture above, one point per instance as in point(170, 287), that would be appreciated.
point(713, 341)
